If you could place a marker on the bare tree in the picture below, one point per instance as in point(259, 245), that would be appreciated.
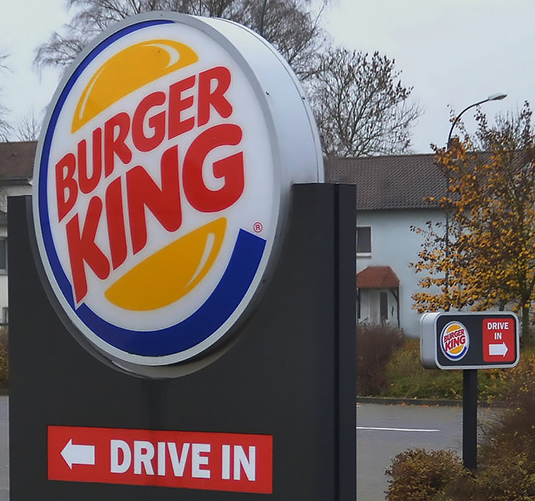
point(361, 106)
point(290, 25)
point(5, 128)
point(28, 127)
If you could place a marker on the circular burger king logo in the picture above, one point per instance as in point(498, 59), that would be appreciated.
point(454, 341)
point(162, 183)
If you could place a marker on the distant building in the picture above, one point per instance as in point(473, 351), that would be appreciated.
point(392, 195)
point(16, 172)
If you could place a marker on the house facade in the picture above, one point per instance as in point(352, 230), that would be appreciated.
point(393, 195)
point(16, 172)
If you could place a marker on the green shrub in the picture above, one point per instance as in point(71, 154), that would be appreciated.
point(507, 451)
point(408, 379)
point(506, 455)
point(418, 475)
point(375, 346)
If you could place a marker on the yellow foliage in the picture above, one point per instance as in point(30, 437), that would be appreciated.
point(483, 256)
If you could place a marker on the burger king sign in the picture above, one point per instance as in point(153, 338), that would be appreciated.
point(162, 184)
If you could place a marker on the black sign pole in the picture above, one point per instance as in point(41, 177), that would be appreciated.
point(470, 393)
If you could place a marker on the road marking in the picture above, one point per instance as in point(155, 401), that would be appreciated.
point(374, 428)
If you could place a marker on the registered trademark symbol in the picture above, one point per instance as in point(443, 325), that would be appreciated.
point(258, 227)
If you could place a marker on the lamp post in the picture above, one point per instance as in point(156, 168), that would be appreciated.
point(493, 97)
point(470, 390)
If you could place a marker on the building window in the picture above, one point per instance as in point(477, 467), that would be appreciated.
point(364, 240)
point(3, 255)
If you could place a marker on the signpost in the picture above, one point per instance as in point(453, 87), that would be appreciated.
point(468, 342)
point(175, 334)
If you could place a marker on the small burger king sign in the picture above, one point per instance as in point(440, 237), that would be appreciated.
point(162, 184)
point(454, 341)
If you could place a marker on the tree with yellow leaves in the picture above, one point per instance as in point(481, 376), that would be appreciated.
point(483, 255)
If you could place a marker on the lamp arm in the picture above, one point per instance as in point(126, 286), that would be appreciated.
point(458, 117)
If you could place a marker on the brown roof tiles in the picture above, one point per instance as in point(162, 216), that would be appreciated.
point(16, 160)
point(390, 182)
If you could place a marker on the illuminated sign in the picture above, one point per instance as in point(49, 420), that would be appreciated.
point(476, 340)
point(162, 183)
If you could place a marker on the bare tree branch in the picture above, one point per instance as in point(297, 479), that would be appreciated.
point(290, 26)
point(361, 106)
point(28, 127)
point(5, 128)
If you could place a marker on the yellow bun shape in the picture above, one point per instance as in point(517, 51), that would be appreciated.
point(127, 71)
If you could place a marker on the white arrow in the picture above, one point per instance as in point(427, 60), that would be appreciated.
point(78, 454)
point(498, 349)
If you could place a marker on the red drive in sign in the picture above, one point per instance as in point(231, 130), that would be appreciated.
point(499, 339)
point(190, 460)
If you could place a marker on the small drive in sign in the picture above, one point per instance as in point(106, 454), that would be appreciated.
point(478, 340)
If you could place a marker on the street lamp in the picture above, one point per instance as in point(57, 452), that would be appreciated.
point(469, 375)
point(494, 97)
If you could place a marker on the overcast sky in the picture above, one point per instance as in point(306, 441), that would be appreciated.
point(452, 52)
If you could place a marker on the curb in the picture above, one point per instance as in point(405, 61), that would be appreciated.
point(427, 402)
point(423, 402)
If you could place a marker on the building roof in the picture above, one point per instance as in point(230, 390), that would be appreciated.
point(16, 160)
point(377, 277)
point(384, 182)
point(390, 182)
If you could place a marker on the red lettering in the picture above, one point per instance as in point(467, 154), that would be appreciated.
point(155, 122)
point(230, 169)
point(116, 223)
point(178, 104)
point(213, 96)
point(116, 144)
point(66, 187)
point(83, 249)
point(89, 183)
point(163, 202)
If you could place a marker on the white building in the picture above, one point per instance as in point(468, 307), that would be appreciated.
point(392, 196)
point(16, 171)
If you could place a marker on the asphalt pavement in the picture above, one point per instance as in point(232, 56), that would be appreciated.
point(386, 430)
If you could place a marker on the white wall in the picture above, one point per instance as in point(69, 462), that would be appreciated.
point(394, 245)
point(3, 279)
point(8, 191)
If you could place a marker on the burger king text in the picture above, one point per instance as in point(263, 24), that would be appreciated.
point(454, 339)
point(196, 102)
